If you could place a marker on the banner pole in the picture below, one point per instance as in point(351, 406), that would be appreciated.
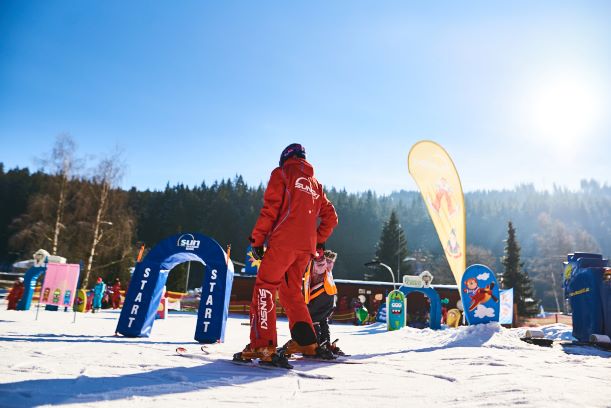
point(38, 304)
point(41, 286)
point(73, 302)
point(188, 273)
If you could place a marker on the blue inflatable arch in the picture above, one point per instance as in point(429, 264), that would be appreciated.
point(29, 282)
point(435, 310)
point(150, 275)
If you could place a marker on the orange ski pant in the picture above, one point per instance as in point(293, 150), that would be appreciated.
point(281, 269)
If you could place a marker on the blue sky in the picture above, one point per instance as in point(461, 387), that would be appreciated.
point(197, 90)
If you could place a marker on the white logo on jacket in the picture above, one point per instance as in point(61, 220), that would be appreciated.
point(303, 184)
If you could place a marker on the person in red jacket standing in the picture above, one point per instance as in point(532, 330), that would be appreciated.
point(116, 294)
point(15, 294)
point(295, 221)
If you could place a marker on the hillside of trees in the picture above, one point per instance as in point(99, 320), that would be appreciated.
point(106, 237)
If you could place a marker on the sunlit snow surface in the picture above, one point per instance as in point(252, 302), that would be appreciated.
point(53, 361)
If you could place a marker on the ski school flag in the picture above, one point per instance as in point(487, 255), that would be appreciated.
point(434, 172)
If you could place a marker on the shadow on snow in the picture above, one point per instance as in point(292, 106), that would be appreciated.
point(70, 338)
point(83, 389)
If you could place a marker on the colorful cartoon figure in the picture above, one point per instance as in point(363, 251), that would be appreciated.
point(471, 285)
point(479, 295)
point(45, 295)
point(453, 318)
point(67, 297)
point(427, 278)
point(452, 246)
point(396, 302)
point(443, 191)
point(56, 295)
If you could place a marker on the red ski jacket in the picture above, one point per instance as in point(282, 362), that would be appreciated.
point(293, 203)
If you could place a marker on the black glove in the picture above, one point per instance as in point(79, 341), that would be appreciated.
point(257, 253)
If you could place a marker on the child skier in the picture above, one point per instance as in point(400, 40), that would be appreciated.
point(116, 294)
point(15, 294)
point(98, 292)
point(320, 296)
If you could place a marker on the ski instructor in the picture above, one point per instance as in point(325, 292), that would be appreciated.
point(295, 221)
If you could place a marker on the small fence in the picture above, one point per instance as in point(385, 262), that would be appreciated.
point(7, 279)
point(541, 321)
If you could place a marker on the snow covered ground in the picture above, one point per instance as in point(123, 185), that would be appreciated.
point(54, 361)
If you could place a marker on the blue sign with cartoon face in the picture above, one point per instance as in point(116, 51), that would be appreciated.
point(480, 295)
point(395, 310)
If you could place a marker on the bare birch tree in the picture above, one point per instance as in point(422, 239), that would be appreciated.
point(44, 221)
point(105, 217)
point(63, 164)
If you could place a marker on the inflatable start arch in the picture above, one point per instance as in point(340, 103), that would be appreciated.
point(29, 283)
point(435, 308)
point(146, 287)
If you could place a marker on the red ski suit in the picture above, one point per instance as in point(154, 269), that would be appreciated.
point(15, 295)
point(294, 202)
point(116, 295)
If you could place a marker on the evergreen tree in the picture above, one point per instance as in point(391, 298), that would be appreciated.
point(392, 248)
point(515, 277)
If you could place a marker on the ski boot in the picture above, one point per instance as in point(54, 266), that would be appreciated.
point(265, 355)
point(277, 360)
point(335, 349)
point(313, 350)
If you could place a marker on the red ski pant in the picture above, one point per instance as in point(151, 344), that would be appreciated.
point(281, 269)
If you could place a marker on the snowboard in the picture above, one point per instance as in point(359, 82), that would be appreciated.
point(479, 291)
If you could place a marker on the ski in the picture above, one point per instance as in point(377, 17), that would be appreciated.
point(323, 360)
point(298, 373)
point(183, 351)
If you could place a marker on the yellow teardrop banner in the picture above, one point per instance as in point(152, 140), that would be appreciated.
point(434, 172)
